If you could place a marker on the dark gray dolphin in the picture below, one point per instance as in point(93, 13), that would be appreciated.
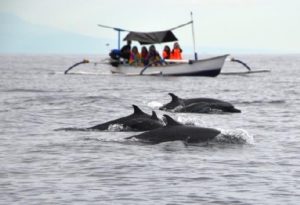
point(174, 131)
point(198, 105)
point(138, 121)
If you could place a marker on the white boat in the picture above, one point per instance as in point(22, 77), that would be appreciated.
point(206, 67)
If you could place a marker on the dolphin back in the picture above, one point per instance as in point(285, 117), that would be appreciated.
point(188, 134)
point(175, 102)
point(198, 105)
point(138, 121)
point(174, 131)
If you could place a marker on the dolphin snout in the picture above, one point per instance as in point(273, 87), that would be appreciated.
point(236, 110)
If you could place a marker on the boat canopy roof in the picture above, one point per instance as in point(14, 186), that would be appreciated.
point(151, 37)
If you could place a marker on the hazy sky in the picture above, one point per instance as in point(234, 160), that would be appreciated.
point(260, 25)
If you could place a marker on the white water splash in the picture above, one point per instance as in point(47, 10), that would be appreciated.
point(154, 104)
point(191, 120)
point(238, 136)
point(177, 109)
point(116, 127)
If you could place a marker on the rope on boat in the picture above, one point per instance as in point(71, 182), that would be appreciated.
point(181, 25)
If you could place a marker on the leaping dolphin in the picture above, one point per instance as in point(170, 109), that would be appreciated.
point(138, 121)
point(174, 131)
point(198, 105)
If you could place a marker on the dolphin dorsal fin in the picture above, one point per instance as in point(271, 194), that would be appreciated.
point(137, 110)
point(174, 97)
point(171, 121)
point(154, 116)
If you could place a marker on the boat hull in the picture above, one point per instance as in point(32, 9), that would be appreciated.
point(209, 67)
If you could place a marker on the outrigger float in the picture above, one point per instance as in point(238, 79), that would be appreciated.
point(210, 67)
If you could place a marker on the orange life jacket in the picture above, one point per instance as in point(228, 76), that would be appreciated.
point(176, 54)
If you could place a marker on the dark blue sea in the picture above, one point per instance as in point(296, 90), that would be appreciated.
point(256, 163)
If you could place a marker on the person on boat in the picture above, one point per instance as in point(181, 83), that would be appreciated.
point(153, 57)
point(135, 57)
point(125, 51)
point(166, 52)
point(144, 54)
point(176, 52)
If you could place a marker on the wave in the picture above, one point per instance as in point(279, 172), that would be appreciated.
point(72, 129)
point(23, 90)
point(263, 102)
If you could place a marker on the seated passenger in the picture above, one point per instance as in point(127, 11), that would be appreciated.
point(176, 52)
point(153, 57)
point(125, 51)
point(135, 57)
point(144, 54)
point(166, 52)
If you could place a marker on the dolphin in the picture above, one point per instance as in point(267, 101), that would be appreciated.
point(198, 105)
point(174, 131)
point(138, 121)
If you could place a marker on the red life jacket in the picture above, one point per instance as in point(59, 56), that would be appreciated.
point(166, 55)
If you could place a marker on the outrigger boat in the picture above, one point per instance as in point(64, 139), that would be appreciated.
point(193, 67)
point(210, 67)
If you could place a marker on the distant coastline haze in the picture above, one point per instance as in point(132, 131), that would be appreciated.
point(221, 26)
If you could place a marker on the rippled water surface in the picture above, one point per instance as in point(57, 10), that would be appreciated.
point(42, 166)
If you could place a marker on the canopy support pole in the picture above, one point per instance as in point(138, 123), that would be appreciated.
point(193, 32)
point(119, 39)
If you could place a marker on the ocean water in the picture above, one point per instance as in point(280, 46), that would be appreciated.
point(256, 163)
